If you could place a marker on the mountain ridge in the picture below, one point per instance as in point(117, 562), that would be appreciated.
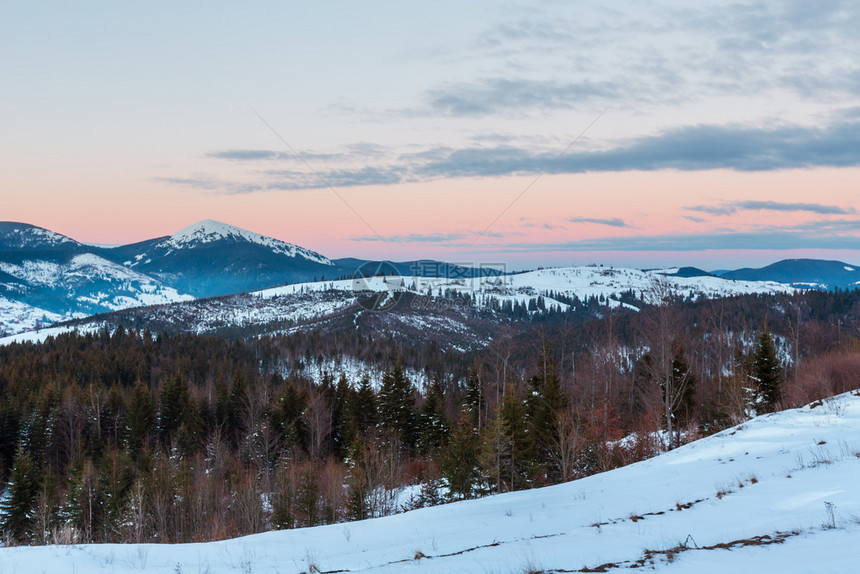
point(51, 275)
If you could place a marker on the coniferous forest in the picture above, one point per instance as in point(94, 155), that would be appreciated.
point(126, 435)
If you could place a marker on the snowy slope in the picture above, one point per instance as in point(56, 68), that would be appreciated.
point(776, 494)
point(584, 282)
point(209, 231)
point(88, 283)
point(303, 305)
point(16, 316)
point(610, 281)
point(14, 235)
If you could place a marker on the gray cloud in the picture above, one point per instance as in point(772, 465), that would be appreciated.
point(501, 94)
point(357, 151)
point(613, 222)
point(245, 154)
point(457, 237)
point(368, 175)
point(734, 207)
point(690, 148)
point(687, 149)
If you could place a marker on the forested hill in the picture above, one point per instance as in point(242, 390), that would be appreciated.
point(125, 435)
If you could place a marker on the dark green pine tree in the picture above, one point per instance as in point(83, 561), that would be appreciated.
point(341, 399)
point(140, 421)
point(222, 399)
point(459, 463)
point(474, 399)
point(767, 371)
point(237, 409)
point(115, 479)
point(18, 507)
point(681, 391)
point(516, 444)
point(433, 425)
point(396, 406)
point(543, 405)
point(288, 416)
point(175, 406)
point(361, 410)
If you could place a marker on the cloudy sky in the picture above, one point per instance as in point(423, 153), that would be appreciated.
point(717, 134)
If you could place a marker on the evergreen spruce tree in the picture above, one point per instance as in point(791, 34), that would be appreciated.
point(396, 406)
point(683, 388)
point(175, 405)
point(543, 405)
point(432, 422)
point(82, 510)
point(361, 410)
point(474, 400)
point(341, 399)
point(289, 416)
point(17, 509)
point(116, 477)
point(140, 420)
point(767, 371)
point(507, 448)
point(237, 408)
point(459, 463)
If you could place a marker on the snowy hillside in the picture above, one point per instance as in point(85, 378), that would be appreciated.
point(775, 494)
point(88, 284)
point(16, 236)
point(16, 317)
point(310, 306)
point(582, 282)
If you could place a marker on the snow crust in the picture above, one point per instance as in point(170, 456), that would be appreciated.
point(713, 506)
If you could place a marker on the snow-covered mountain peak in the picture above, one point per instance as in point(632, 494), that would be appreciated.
point(210, 231)
point(14, 235)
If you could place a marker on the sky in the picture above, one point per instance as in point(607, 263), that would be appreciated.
point(715, 134)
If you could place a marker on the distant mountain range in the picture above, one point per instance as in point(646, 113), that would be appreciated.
point(46, 277)
point(803, 273)
point(211, 258)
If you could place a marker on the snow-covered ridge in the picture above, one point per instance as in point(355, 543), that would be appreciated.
point(209, 231)
point(22, 235)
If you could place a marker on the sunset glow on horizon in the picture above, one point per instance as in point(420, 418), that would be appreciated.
point(555, 134)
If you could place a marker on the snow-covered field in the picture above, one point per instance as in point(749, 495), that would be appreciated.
point(776, 494)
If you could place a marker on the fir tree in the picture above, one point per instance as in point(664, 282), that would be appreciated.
point(543, 405)
point(140, 421)
point(459, 462)
point(767, 371)
point(433, 424)
point(474, 399)
point(17, 509)
point(396, 406)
